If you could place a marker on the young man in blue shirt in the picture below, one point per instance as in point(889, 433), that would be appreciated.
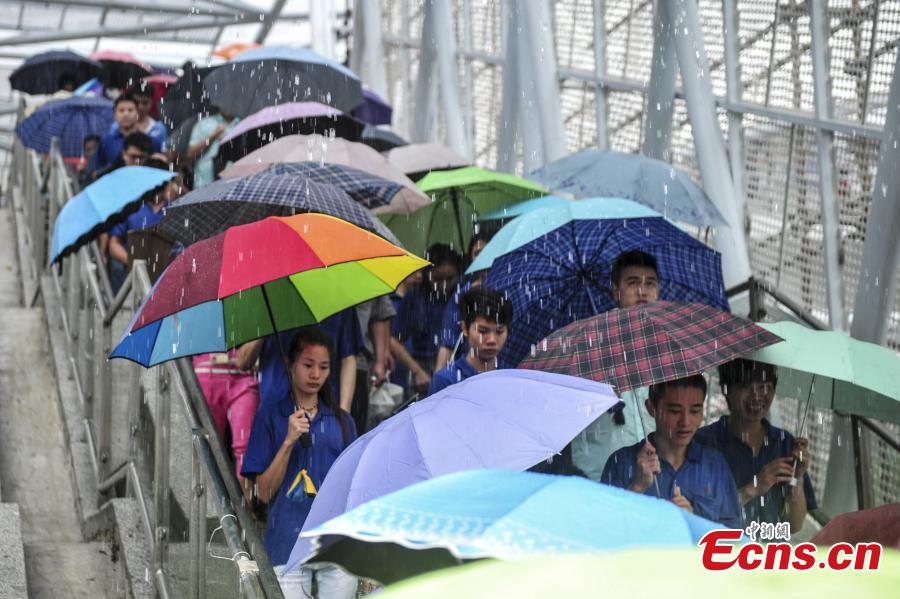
point(761, 456)
point(670, 464)
point(486, 317)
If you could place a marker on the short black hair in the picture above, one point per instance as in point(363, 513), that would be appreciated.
point(658, 390)
point(91, 137)
point(631, 258)
point(487, 303)
point(441, 253)
point(139, 140)
point(157, 163)
point(125, 98)
point(140, 90)
point(66, 79)
point(743, 371)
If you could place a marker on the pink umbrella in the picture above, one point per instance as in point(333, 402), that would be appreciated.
point(121, 69)
point(318, 148)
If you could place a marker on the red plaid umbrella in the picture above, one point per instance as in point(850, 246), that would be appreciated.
point(649, 343)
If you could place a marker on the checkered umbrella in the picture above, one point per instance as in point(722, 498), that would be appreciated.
point(564, 275)
point(647, 344)
point(211, 209)
point(71, 120)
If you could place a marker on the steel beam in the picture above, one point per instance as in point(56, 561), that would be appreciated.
point(426, 86)
point(158, 8)
point(509, 96)
point(731, 241)
point(734, 92)
point(821, 61)
point(661, 91)
point(269, 21)
point(321, 19)
point(165, 26)
point(448, 73)
point(366, 57)
point(600, 72)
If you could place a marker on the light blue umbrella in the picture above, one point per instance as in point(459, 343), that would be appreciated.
point(542, 220)
point(101, 204)
point(661, 186)
point(499, 514)
point(514, 210)
point(510, 419)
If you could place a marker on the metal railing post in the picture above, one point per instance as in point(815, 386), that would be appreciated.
point(198, 519)
point(161, 469)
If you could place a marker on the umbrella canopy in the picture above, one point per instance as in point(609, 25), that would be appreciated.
point(644, 573)
point(213, 208)
point(229, 51)
point(271, 75)
point(565, 274)
point(318, 148)
point(40, 74)
point(121, 69)
point(538, 222)
point(254, 280)
point(417, 160)
point(273, 122)
point(101, 204)
point(510, 419)
point(186, 98)
point(654, 183)
point(506, 515)
point(374, 110)
point(373, 192)
point(458, 197)
point(876, 525)
point(852, 376)
point(511, 212)
point(381, 140)
point(71, 120)
point(647, 344)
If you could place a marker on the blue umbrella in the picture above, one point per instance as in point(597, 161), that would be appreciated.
point(271, 75)
point(101, 204)
point(71, 120)
point(511, 419)
point(510, 212)
point(654, 183)
point(557, 265)
point(502, 515)
point(374, 109)
point(40, 74)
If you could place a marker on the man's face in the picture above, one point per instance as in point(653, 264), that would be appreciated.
point(636, 285)
point(486, 337)
point(126, 115)
point(143, 105)
point(678, 414)
point(750, 401)
point(133, 156)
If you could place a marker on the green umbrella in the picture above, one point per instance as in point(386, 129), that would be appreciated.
point(458, 197)
point(846, 374)
point(657, 573)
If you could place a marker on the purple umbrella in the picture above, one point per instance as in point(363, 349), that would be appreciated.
point(374, 109)
point(273, 122)
point(507, 419)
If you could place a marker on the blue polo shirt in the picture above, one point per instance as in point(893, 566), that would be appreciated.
point(704, 478)
point(450, 322)
point(343, 328)
point(778, 443)
point(451, 374)
point(110, 148)
point(418, 324)
point(287, 514)
point(141, 219)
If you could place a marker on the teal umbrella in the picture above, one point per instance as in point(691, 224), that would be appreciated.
point(836, 371)
point(510, 212)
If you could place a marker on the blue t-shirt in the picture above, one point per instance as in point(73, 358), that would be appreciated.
point(110, 148)
point(778, 443)
point(450, 375)
point(418, 324)
point(704, 478)
point(157, 133)
point(343, 328)
point(287, 514)
point(400, 374)
point(450, 329)
point(141, 219)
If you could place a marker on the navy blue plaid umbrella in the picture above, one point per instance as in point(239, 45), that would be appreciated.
point(564, 275)
point(371, 191)
point(211, 209)
point(40, 74)
point(71, 120)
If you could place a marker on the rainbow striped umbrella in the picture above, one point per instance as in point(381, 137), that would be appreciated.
point(253, 280)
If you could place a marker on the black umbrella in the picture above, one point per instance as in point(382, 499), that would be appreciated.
point(41, 73)
point(186, 98)
point(279, 74)
point(120, 69)
point(381, 140)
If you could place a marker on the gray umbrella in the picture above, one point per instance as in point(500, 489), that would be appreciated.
point(273, 75)
point(653, 183)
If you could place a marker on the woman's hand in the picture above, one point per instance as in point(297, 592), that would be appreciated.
point(298, 425)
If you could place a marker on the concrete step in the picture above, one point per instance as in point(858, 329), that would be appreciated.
point(12, 558)
point(73, 571)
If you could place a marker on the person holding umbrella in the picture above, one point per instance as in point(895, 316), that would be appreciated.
point(766, 461)
point(288, 471)
point(670, 464)
point(203, 146)
point(113, 143)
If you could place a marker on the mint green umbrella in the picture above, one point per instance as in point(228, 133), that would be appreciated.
point(644, 573)
point(458, 197)
point(846, 374)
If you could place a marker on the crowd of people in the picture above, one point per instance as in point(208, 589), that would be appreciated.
point(289, 404)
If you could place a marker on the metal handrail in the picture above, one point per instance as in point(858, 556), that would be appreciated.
point(88, 312)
